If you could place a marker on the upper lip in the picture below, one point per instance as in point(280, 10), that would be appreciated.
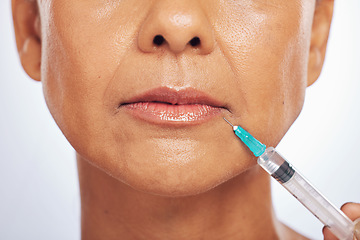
point(167, 95)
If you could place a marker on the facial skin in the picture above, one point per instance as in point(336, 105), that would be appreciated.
point(255, 57)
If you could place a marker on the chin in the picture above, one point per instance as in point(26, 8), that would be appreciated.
point(178, 168)
point(188, 185)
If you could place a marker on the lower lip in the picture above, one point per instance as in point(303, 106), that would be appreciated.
point(166, 113)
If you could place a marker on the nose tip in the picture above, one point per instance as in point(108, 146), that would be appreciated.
point(176, 30)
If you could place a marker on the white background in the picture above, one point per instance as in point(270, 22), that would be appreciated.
point(39, 194)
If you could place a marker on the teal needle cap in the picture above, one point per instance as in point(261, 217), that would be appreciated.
point(252, 143)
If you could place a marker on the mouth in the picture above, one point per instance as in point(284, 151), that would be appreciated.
point(168, 106)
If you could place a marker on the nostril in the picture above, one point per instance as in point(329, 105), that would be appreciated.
point(158, 40)
point(195, 41)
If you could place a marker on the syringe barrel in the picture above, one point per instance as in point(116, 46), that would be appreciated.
point(277, 166)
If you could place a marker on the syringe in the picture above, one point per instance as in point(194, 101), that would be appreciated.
point(280, 169)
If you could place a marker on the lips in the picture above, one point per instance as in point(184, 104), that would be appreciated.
point(164, 105)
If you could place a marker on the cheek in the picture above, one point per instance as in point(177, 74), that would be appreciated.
point(80, 57)
point(269, 55)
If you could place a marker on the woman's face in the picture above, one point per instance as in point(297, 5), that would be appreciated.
point(108, 83)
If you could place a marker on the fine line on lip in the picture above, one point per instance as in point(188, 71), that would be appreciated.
point(163, 113)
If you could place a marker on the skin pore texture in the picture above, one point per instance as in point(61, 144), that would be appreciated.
point(163, 180)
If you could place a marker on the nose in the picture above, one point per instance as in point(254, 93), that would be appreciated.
point(176, 25)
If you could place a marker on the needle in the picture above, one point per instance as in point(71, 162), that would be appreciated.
point(228, 122)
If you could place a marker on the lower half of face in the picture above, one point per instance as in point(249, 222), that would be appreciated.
point(154, 119)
